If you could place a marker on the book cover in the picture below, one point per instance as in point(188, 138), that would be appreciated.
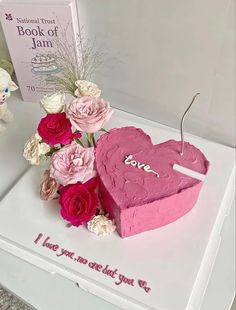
point(37, 34)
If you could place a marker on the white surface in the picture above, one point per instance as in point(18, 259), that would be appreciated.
point(168, 268)
point(221, 288)
point(159, 53)
point(27, 281)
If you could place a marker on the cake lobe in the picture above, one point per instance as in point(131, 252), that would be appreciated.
point(149, 174)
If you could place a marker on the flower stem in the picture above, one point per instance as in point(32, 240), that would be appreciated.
point(94, 142)
point(91, 140)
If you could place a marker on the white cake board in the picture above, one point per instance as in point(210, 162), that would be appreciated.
point(176, 260)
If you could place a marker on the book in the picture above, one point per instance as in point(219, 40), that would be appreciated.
point(39, 36)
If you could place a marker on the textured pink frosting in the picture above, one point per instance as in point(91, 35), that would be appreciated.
point(138, 200)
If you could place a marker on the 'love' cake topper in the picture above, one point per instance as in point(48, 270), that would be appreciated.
point(130, 161)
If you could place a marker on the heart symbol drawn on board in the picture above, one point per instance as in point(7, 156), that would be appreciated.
point(139, 187)
point(143, 284)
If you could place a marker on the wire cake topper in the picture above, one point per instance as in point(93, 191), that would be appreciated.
point(182, 123)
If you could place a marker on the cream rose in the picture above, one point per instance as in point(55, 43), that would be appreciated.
point(101, 225)
point(34, 149)
point(53, 103)
point(49, 187)
point(87, 89)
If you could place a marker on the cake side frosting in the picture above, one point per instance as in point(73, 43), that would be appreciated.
point(158, 213)
point(138, 219)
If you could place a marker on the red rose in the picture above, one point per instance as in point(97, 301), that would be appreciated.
point(79, 202)
point(55, 129)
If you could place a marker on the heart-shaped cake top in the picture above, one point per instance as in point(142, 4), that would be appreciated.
point(134, 171)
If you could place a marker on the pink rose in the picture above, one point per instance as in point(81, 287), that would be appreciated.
point(55, 129)
point(79, 202)
point(88, 114)
point(72, 164)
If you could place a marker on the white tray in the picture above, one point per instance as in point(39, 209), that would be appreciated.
point(176, 260)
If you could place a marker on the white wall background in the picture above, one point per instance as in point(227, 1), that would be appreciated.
point(160, 52)
point(3, 46)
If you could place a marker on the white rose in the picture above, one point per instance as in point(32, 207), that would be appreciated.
point(87, 89)
point(101, 225)
point(34, 149)
point(53, 103)
point(37, 137)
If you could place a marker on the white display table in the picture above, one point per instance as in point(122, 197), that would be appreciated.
point(198, 279)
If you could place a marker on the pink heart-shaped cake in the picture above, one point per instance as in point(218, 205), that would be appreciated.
point(139, 187)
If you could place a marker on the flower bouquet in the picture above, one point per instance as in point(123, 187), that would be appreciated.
point(66, 136)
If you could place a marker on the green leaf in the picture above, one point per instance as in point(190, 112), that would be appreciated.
point(103, 129)
point(51, 152)
point(79, 142)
